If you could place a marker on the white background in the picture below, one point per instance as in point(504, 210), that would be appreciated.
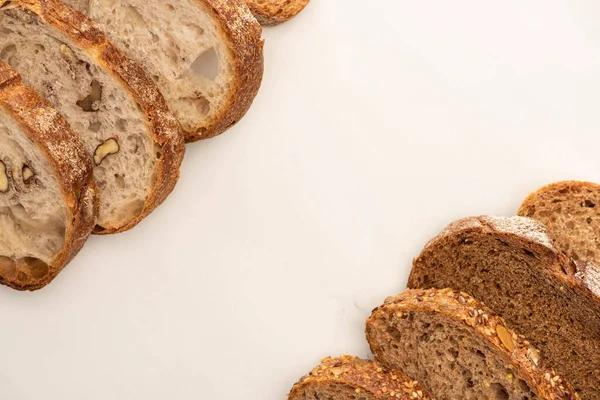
point(378, 122)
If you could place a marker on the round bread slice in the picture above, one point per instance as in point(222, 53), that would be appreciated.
point(48, 201)
point(511, 265)
point(135, 142)
point(571, 212)
point(348, 377)
point(459, 349)
point(205, 55)
point(275, 12)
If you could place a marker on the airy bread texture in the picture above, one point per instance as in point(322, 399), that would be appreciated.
point(136, 145)
point(350, 378)
point(511, 265)
point(570, 211)
point(205, 55)
point(48, 200)
point(458, 349)
point(275, 12)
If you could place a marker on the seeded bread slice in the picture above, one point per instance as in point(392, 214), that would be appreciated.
point(275, 12)
point(136, 144)
point(205, 55)
point(511, 265)
point(349, 377)
point(459, 349)
point(48, 201)
point(571, 212)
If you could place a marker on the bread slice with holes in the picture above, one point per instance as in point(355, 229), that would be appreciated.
point(136, 143)
point(459, 349)
point(205, 55)
point(348, 377)
point(275, 12)
point(570, 211)
point(512, 266)
point(48, 202)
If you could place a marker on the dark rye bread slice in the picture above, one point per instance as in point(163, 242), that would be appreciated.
point(351, 378)
point(511, 265)
point(136, 143)
point(571, 212)
point(48, 200)
point(205, 55)
point(459, 349)
point(275, 12)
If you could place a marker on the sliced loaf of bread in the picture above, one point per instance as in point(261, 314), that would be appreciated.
point(511, 265)
point(48, 202)
point(136, 144)
point(205, 55)
point(275, 12)
point(571, 212)
point(351, 378)
point(459, 349)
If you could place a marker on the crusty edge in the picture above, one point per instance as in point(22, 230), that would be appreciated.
point(362, 376)
point(243, 35)
point(163, 127)
point(271, 14)
point(464, 309)
point(66, 154)
point(530, 233)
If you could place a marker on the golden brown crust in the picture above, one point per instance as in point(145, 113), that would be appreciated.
point(163, 128)
point(361, 376)
point(66, 153)
point(243, 35)
point(465, 310)
point(275, 12)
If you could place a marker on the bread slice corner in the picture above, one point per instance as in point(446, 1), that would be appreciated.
point(349, 377)
point(275, 12)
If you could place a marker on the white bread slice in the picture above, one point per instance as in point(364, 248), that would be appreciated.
point(106, 98)
point(48, 200)
point(205, 55)
point(275, 12)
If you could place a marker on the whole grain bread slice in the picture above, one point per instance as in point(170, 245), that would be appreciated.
point(205, 55)
point(512, 266)
point(571, 212)
point(48, 200)
point(459, 349)
point(348, 377)
point(136, 143)
point(275, 12)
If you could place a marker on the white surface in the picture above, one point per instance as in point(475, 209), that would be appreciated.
point(378, 122)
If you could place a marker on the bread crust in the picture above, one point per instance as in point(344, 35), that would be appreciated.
point(467, 311)
point(275, 12)
point(163, 128)
point(66, 154)
point(362, 376)
point(243, 36)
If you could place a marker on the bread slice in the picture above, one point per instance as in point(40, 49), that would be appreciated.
point(459, 349)
point(511, 265)
point(571, 212)
point(205, 55)
point(275, 12)
point(349, 377)
point(48, 201)
point(136, 144)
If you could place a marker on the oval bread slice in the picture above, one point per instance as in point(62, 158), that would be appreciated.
point(349, 377)
point(459, 349)
point(48, 201)
point(275, 12)
point(136, 144)
point(205, 55)
point(571, 212)
point(512, 266)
